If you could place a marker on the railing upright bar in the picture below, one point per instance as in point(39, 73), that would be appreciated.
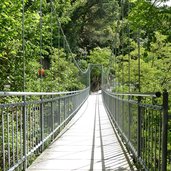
point(24, 132)
point(25, 124)
point(129, 120)
point(52, 116)
point(59, 105)
point(41, 123)
point(3, 141)
point(17, 153)
point(148, 126)
point(164, 130)
point(123, 117)
point(8, 137)
point(13, 152)
point(21, 134)
point(139, 129)
point(64, 109)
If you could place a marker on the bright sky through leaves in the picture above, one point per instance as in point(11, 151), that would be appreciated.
point(168, 3)
point(165, 3)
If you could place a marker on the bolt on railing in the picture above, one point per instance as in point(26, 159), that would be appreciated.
point(31, 121)
point(142, 123)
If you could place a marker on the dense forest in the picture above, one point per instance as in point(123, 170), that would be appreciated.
point(39, 40)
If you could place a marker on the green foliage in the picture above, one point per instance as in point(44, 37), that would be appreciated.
point(99, 57)
point(90, 24)
point(9, 41)
point(63, 74)
point(26, 46)
point(154, 66)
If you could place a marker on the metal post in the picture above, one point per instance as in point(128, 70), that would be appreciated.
point(3, 141)
point(24, 133)
point(41, 123)
point(139, 61)
point(115, 109)
point(64, 110)
point(139, 129)
point(59, 110)
point(129, 120)
point(52, 117)
point(164, 130)
point(89, 79)
point(101, 77)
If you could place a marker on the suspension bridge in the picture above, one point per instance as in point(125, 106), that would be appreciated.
point(83, 130)
point(79, 130)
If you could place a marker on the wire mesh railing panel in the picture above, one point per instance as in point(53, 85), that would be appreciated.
point(11, 135)
point(126, 119)
point(56, 114)
point(29, 125)
point(151, 138)
point(142, 122)
point(133, 125)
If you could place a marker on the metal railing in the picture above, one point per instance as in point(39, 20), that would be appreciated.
point(143, 126)
point(31, 121)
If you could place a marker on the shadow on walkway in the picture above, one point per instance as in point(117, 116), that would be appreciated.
point(87, 143)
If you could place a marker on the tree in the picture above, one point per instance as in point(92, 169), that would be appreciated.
point(90, 24)
point(98, 57)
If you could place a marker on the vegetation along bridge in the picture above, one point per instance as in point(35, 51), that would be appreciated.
point(84, 85)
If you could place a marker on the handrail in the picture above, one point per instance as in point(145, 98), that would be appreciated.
point(4, 93)
point(153, 94)
point(142, 124)
point(30, 125)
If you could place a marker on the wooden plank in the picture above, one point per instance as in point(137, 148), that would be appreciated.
point(89, 143)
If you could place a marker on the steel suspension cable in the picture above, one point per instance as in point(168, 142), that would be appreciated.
point(41, 38)
point(139, 62)
point(65, 42)
point(23, 45)
point(116, 51)
point(122, 42)
point(129, 56)
point(58, 45)
point(115, 63)
point(51, 39)
point(68, 46)
point(129, 72)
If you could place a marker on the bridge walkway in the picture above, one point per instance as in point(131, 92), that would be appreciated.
point(88, 142)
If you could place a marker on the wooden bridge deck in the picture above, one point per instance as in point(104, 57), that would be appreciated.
point(87, 143)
